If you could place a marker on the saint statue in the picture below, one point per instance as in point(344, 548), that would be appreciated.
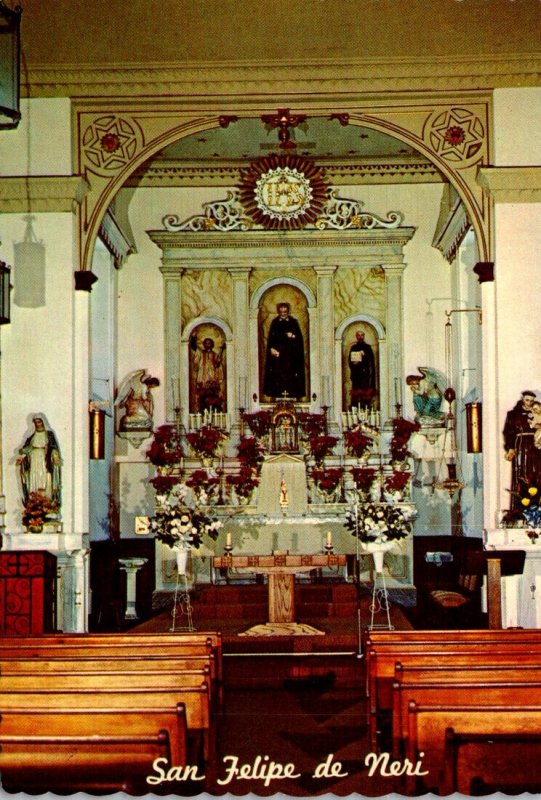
point(284, 364)
point(135, 397)
point(209, 374)
point(520, 449)
point(39, 463)
point(362, 368)
point(427, 389)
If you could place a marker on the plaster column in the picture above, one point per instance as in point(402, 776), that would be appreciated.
point(131, 567)
point(321, 350)
point(177, 385)
point(394, 324)
point(492, 436)
point(245, 374)
point(78, 524)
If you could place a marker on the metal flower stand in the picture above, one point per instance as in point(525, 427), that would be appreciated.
point(182, 606)
point(380, 598)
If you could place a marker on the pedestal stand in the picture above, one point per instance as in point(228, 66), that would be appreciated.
point(182, 605)
point(380, 597)
point(131, 566)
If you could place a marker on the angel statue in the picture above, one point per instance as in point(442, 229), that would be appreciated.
point(428, 389)
point(135, 397)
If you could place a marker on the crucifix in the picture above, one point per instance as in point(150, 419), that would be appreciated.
point(283, 120)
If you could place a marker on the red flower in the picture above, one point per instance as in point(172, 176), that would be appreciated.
point(259, 422)
point(110, 142)
point(363, 477)
point(321, 446)
point(200, 478)
point(327, 479)
point(454, 135)
point(205, 441)
point(250, 452)
point(357, 442)
point(398, 481)
point(165, 449)
point(244, 482)
point(402, 431)
point(312, 424)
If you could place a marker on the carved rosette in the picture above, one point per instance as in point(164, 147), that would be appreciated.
point(110, 142)
point(456, 134)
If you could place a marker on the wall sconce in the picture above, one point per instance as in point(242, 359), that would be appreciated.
point(96, 432)
point(10, 60)
point(5, 290)
point(474, 431)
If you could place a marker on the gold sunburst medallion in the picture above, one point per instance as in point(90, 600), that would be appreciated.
point(283, 192)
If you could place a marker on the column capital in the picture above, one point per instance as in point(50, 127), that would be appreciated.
point(237, 273)
point(511, 184)
point(484, 271)
point(325, 271)
point(84, 280)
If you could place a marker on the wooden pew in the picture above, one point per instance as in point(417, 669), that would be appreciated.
point(194, 698)
point(473, 689)
point(132, 644)
point(458, 647)
point(87, 750)
point(427, 734)
point(485, 763)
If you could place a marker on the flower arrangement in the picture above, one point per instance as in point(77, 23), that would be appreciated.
point(377, 522)
point(320, 446)
point(202, 482)
point(357, 442)
point(530, 497)
point(396, 481)
point(206, 440)
point(259, 423)
point(327, 480)
point(402, 432)
point(179, 525)
point(312, 424)
point(244, 482)
point(363, 477)
point(250, 452)
point(37, 509)
point(165, 449)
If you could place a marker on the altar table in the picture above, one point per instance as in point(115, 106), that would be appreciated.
point(281, 569)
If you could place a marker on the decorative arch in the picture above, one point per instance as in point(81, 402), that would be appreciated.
point(112, 144)
point(280, 281)
point(351, 320)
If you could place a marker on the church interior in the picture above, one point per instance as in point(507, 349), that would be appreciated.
point(270, 420)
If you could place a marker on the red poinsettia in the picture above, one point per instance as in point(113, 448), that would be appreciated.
point(206, 440)
point(327, 479)
point(357, 442)
point(244, 482)
point(363, 477)
point(397, 481)
point(165, 449)
point(321, 446)
point(259, 422)
point(250, 452)
point(312, 424)
point(402, 431)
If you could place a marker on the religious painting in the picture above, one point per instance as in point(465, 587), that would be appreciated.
point(360, 367)
point(207, 360)
point(283, 344)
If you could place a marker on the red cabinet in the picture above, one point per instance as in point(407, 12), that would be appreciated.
point(27, 592)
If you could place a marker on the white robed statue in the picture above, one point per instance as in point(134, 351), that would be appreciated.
point(39, 463)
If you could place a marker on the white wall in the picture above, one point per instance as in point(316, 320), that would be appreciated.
point(41, 144)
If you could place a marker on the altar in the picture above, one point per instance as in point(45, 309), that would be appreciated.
point(281, 569)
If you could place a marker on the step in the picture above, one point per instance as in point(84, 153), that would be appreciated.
point(308, 671)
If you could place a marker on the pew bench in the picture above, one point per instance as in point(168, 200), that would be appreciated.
point(194, 698)
point(465, 693)
point(87, 749)
point(427, 734)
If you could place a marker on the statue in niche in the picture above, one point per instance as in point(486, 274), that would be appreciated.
point(427, 389)
point(39, 463)
point(207, 366)
point(135, 398)
point(521, 450)
point(284, 361)
point(362, 368)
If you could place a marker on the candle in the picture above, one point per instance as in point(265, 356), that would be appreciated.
point(173, 398)
point(329, 537)
point(228, 540)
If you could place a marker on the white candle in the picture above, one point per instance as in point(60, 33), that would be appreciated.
point(344, 419)
point(228, 540)
point(329, 537)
